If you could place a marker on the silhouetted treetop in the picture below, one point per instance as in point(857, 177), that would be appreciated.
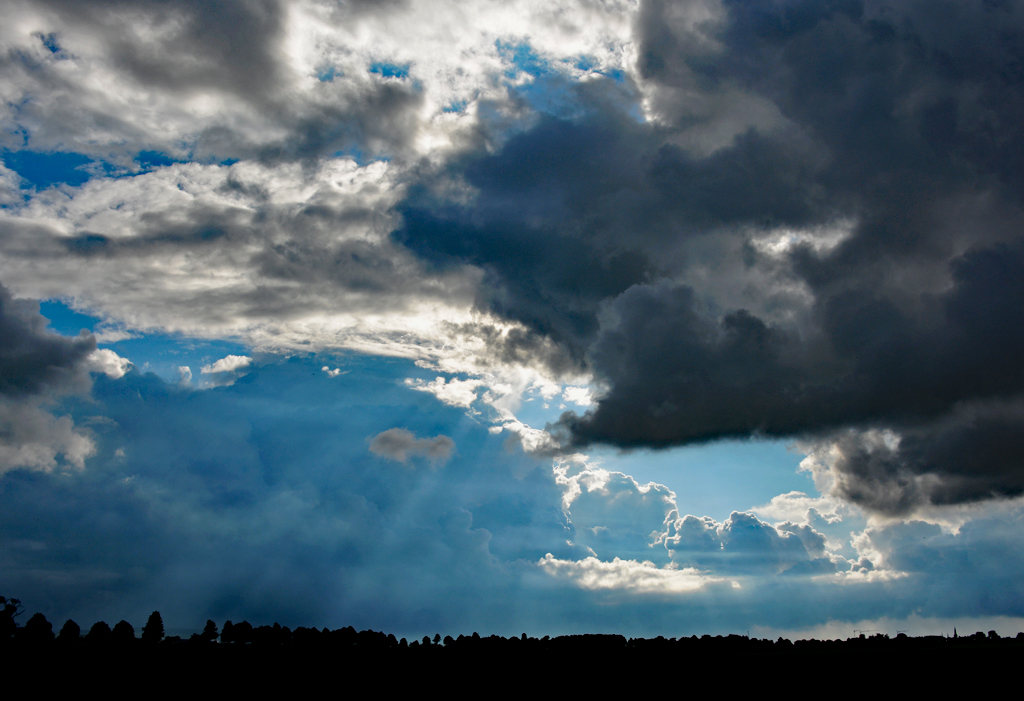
point(38, 629)
point(99, 633)
point(123, 633)
point(69, 632)
point(153, 631)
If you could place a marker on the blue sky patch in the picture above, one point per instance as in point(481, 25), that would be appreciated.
point(390, 70)
point(551, 95)
point(45, 169)
point(65, 320)
point(524, 58)
point(155, 159)
point(326, 75)
point(50, 42)
point(584, 63)
point(615, 74)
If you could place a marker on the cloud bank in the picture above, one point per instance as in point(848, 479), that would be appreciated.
point(688, 221)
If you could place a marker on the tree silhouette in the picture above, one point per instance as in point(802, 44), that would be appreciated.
point(210, 632)
point(99, 634)
point(153, 631)
point(70, 632)
point(123, 633)
point(12, 608)
point(242, 632)
point(38, 629)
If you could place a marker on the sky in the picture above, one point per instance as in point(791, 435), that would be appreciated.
point(574, 316)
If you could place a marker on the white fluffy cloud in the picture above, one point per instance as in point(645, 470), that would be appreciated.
point(626, 575)
point(581, 396)
point(231, 363)
point(453, 391)
point(613, 514)
point(225, 371)
point(108, 362)
point(615, 517)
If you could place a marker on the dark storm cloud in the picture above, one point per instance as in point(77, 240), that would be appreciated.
point(34, 360)
point(676, 375)
point(524, 227)
point(576, 211)
point(974, 454)
point(902, 118)
point(38, 367)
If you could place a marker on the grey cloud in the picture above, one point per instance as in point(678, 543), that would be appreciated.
point(234, 52)
point(517, 345)
point(377, 118)
point(324, 252)
point(31, 438)
point(10, 187)
point(400, 445)
point(32, 359)
point(38, 366)
point(677, 376)
point(230, 45)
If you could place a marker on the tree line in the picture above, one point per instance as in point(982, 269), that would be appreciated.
point(37, 630)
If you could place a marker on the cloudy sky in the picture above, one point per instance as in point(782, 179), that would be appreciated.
point(560, 316)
